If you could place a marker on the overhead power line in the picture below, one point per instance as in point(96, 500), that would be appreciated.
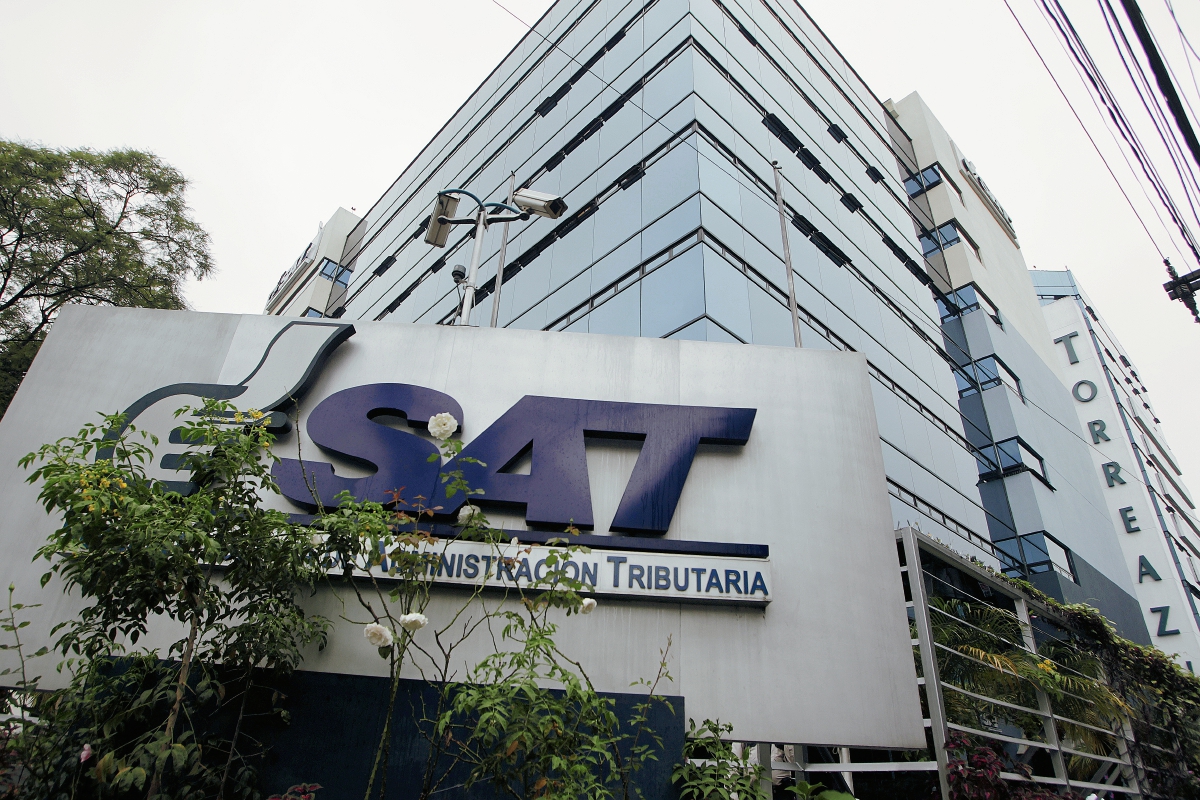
point(1159, 68)
point(1084, 128)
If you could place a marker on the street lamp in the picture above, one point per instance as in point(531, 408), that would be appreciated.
point(441, 217)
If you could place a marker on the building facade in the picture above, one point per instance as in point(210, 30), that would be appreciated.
point(316, 282)
point(1153, 512)
point(659, 122)
point(1044, 500)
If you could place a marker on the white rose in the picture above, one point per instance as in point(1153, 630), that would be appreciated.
point(467, 513)
point(413, 622)
point(588, 604)
point(378, 635)
point(442, 425)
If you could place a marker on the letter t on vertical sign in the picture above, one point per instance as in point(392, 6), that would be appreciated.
point(1066, 342)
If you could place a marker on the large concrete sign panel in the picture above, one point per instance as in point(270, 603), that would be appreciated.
point(733, 496)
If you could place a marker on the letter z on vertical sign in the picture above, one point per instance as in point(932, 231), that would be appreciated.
point(1164, 614)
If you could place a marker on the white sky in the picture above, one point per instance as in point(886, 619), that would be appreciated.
point(280, 112)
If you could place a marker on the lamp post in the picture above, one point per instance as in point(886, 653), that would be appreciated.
point(441, 218)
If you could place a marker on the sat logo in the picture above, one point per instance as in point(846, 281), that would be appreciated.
point(550, 430)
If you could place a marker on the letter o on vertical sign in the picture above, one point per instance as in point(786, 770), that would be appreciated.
point(1085, 386)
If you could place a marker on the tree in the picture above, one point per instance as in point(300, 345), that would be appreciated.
point(225, 573)
point(97, 228)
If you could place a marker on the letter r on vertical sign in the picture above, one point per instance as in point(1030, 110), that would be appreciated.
point(1112, 473)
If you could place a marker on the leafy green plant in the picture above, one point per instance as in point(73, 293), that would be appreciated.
point(215, 565)
point(526, 720)
point(712, 770)
point(529, 742)
point(224, 575)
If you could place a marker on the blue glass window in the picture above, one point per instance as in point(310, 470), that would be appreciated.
point(673, 295)
point(1042, 553)
point(312, 312)
point(619, 316)
point(1014, 456)
point(945, 236)
point(331, 270)
point(986, 373)
point(967, 299)
point(726, 299)
point(923, 181)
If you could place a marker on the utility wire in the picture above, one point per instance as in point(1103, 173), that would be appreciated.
point(1085, 130)
point(1080, 55)
point(1085, 80)
point(1186, 42)
point(1158, 67)
point(1150, 103)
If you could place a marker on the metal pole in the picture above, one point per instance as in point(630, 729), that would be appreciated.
point(512, 187)
point(473, 273)
point(929, 666)
point(787, 256)
point(766, 783)
point(1049, 728)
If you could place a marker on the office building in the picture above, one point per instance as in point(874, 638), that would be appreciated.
point(658, 122)
point(316, 282)
point(1042, 493)
point(1144, 492)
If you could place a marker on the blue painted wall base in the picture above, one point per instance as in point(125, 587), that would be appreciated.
point(336, 722)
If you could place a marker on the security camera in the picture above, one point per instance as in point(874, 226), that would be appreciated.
point(444, 205)
point(540, 203)
point(459, 273)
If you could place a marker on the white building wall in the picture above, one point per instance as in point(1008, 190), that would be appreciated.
point(999, 269)
point(1152, 515)
point(303, 286)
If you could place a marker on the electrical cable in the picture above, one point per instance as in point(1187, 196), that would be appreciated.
point(1082, 57)
point(1085, 130)
point(1187, 44)
point(1171, 70)
point(1124, 155)
point(1161, 124)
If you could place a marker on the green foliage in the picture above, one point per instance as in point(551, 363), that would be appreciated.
point(529, 742)
point(216, 567)
point(1161, 699)
point(712, 770)
point(995, 663)
point(223, 574)
point(87, 227)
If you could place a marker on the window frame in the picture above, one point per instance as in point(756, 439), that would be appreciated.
point(1012, 458)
